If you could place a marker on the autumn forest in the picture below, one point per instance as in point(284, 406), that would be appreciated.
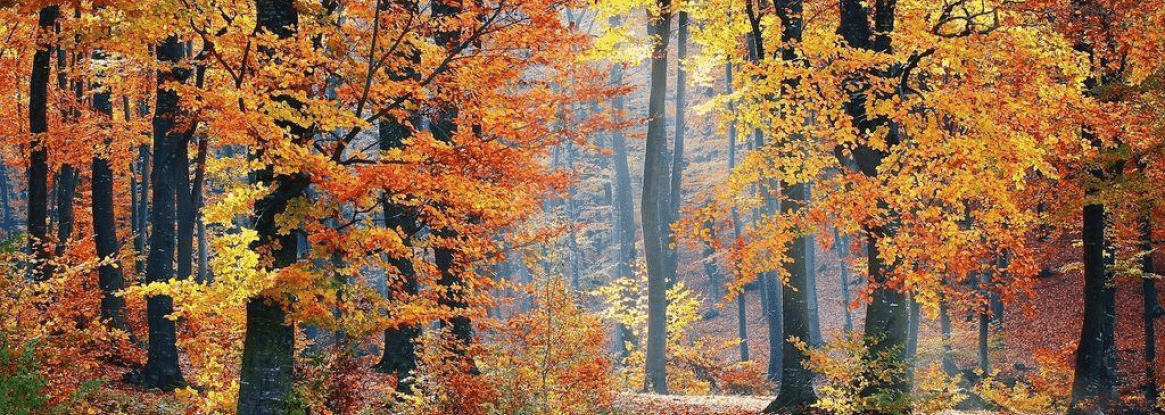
point(569, 207)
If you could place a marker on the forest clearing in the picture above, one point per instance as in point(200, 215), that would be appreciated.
point(569, 207)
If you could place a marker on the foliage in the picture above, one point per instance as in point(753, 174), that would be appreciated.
point(21, 383)
point(691, 365)
point(550, 360)
point(849, 368)
point(1020, 397)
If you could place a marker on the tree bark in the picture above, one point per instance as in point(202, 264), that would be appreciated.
point(741, 314)
point(6, 203)
point(1152, 311)
point(842, 242)
point(948, 357)
point(675, 193)
point(399, 356)
point(38, 170)
point(1093, 385)
point(887, 315)
point(796, 391)
point(654, 166)
point(162, 370)
point(265, 379)
point(626, 256)
point(110, 278)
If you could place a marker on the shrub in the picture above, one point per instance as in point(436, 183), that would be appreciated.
point(851, 371)
point(20, 381)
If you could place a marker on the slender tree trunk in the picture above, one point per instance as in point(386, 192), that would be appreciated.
point(984, 325)
point(6, 203)
point(142, 236)
point(1152, 311)
point(109, 274)
point(38, 170)
point(67, 175)
point(675, 193)
point(815, 338)
point(624, 200)
point(944, 317)
point(196, 189)
point(162, 370)
point(659, 29)
point(741, 314)
point(713, 273)
point(843, 274)
point(912, 338)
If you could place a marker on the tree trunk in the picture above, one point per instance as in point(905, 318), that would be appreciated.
point(399, 356)
point(741, 314)
point(265, 379)
point(7, 225)
point(67, 176)
point(162, 370)
point(815, 338)
point(654, 165)
point(623, 199)
point(1152, 311)
point(1093, 386)
point(38, 169)
point(675, 194)
point(912, 338)
point(944, 317)
point(842, 242)
point(196, 187)
point(984, 325)
point(142, 235)
point(796, 391)
point(109, 276)
point(887, 314)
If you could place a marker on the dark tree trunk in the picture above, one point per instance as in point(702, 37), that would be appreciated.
point(162, 370)
point(7, 225)
point(66, 192)
point(654, 168)
point(67, 175)
point(38, 170)
point(265, 379)
point(142, 233)
point(887, 316)
point(399, 356)
point(1152, 311)
point(109, 277)
point(1093, 385)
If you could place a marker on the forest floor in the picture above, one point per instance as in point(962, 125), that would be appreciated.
point(638, 403)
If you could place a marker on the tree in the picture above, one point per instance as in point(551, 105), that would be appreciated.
point(162, 370)
point(110, 279)
point(38, 157)
point(796, 390)
point(658, 28)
